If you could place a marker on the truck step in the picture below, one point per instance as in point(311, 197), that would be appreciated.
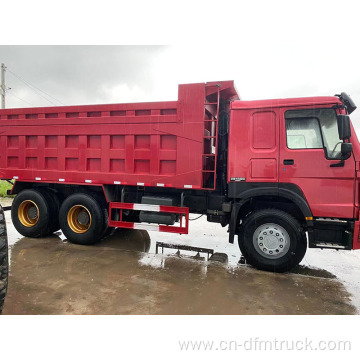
point(329, 246)
point(331, 234)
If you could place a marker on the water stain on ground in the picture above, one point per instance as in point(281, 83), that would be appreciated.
point(50, 276)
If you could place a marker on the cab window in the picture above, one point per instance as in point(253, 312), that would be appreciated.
point(313, 129)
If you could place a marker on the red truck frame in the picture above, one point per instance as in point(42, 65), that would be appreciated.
point(282, 174)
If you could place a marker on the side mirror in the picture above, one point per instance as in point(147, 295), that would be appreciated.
point(346, 150)
point(344, 127)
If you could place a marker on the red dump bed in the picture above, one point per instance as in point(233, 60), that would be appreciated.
point(169, 144)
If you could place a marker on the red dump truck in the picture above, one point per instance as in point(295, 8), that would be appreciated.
point(281, 174)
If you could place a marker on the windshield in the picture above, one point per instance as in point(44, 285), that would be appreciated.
point(313, 129)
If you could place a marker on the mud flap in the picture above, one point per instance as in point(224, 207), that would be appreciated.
point(234, 220)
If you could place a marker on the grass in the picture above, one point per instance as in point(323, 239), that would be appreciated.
point(4, 185)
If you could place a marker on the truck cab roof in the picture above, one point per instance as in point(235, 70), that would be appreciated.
point(292, 102)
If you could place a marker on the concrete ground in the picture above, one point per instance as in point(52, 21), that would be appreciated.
point(123, 275)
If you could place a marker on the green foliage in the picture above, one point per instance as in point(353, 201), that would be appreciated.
point(4, 185)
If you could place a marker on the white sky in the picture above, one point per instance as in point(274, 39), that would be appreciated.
point(270, 48)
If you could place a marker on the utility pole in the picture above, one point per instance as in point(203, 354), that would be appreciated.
point(3, 68)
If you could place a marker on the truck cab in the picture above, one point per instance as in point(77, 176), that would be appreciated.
point(300, 156)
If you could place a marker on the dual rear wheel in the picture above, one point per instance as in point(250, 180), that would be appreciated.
point(82, 217)
point(34, 213)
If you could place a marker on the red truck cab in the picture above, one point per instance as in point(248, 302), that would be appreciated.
point(291, 149)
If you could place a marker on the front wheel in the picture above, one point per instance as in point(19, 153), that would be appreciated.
point(272, 240)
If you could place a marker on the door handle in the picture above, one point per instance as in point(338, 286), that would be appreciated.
point(288, 162)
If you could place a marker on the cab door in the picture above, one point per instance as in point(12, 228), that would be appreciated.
point(309, 144)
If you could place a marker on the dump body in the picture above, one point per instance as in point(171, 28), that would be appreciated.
point(141, 144)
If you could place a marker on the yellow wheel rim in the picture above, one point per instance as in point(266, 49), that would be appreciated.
point(79, 219)
point(28, 213)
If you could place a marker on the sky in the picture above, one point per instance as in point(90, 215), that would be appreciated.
point(274, 49)
point(74, 75)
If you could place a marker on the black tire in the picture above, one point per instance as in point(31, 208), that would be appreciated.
point(4, 261)
point(107, 231)
point(279, 250)
point(54, 208)
point(35, 228)
point(95, 219)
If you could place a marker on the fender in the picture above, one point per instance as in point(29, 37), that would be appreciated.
point(245, 192)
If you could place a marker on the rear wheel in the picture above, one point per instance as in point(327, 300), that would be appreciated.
point(4, 261)
point(31, 213)
point(83, 218)
point(272, 240)
point(54, 208)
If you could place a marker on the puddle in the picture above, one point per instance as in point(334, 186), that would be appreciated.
point(122, 275)
point(311, 271)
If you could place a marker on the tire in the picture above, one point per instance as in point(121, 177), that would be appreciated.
point(107, 231)
point(83, 218)
point(54, 208)
point(272, 240)
point(31, 213)
point(4, 261)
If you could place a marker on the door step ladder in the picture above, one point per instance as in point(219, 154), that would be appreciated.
point(211, 116)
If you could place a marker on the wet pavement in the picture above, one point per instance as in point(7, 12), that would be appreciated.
point(122, 275)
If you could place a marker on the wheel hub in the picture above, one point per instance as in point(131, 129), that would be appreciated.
point(28, 213)
point(79, 219)
point(83, 218)
point(32, 213)
point(271, 241)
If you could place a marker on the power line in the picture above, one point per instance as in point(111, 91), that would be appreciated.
point(18, 97)
point(34, 88)
point(30, 86)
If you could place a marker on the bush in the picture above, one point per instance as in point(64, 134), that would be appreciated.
point(4, 186)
